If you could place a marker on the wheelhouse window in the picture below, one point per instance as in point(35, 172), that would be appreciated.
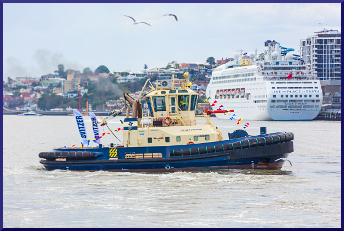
point(178, 139)
point(149, 140)
point(183, 102)
point(207, 137)
point(167, 139)
point(159, 103)
point(193, 102)
point(195, 138)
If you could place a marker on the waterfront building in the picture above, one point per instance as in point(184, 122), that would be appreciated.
point(71, 84)
point(322, 53)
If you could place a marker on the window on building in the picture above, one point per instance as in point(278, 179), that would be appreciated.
point(273, 96)
point(291, 96)
point(317, 96)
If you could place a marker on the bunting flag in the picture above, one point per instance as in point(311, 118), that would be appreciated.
point(212, 105)
point(189, 84)
point(94, 126)
point(239, 121)
point(215, 101)
point(81, 145)
point(207, 99)
point(246, 125)
point(201, 92)
point(232, 118)
point(290, 76)
point(81, 125)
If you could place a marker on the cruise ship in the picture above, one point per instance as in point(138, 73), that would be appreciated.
point(276, 87)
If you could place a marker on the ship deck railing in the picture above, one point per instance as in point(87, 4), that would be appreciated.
point(284, 77)
point(181, 121)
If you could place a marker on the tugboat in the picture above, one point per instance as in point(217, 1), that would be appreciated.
point(172, 138)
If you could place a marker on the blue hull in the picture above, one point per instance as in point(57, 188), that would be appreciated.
point(175, 158)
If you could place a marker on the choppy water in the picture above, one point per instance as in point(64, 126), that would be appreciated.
point(306, 194)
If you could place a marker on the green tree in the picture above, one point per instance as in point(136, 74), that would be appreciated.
point(87, 71)
point(101, 69)
point(211, 60)
point(61, 72)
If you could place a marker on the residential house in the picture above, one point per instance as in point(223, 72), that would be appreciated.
point(72, 94)
point(221, 61)
point(93, 78)
point(57, 90)
point(103, 75)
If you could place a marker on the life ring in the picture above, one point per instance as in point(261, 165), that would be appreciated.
point(190, 143)
point(169, 119)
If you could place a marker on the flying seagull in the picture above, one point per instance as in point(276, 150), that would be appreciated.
point(171, 15)
point(135, 20)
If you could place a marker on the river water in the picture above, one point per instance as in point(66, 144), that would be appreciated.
point(305, 195)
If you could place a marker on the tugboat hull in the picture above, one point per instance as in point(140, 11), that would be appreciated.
point(242, 153)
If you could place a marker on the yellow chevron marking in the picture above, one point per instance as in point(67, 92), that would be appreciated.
point(113, 152)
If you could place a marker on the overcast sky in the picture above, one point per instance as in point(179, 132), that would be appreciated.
point(38, 37)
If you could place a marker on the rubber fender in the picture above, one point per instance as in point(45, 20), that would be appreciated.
point(69, 155)
point(211, 149)
point(288, 136)
point(230, 146)
point(261, 141)
point(177, 152)
point(194, 151)
point(253, 142)
point(186, 151)
point(219, 148)
point(282, 137)
point(292, 135)
point(276, 139)
point(203, 150)
point(236, 145)
point(268, 140)
point(245, 144)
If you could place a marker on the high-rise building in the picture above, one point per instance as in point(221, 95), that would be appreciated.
point(71, 83)
point(322, 53)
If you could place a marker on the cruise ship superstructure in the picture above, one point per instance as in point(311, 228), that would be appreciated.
point(280, 87)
